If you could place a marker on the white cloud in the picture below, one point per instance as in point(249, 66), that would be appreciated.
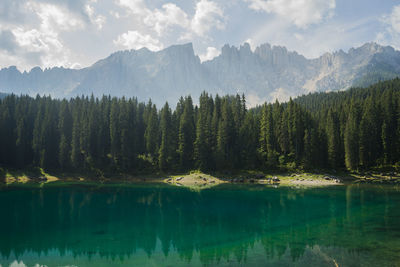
point(97, 20)
point(55, 18)
point(137, 7)
point(391, 33)
point(208, 14)
point(211, 53)
point(38, 42)
point(395, 19)
point(115, 14)
point(136, 40)
point(170, 15)
point(44, 40)
point(41, 48)
point(158, 20)
point(299, 36)
point(302, 13)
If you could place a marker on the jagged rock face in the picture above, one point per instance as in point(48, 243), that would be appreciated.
point(162, 76)
point(59, 82)
point(265, 74)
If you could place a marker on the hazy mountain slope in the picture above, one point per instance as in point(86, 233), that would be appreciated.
point(341, 70)
point(163, 75)
point(3, 95)
point(58, 82)
point(263, 74)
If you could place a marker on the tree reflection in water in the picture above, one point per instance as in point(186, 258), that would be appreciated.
point(228, 225)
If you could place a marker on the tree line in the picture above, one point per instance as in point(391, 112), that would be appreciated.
point(356, 129)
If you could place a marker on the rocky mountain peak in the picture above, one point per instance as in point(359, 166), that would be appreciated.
point(267, 73)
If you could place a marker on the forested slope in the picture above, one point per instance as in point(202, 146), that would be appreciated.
point(356, 129)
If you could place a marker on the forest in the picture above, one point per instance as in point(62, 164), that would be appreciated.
point(353, 130)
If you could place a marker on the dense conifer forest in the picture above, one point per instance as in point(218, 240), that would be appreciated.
point(354, 130)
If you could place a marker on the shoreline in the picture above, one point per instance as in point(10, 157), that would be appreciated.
point(197, 180)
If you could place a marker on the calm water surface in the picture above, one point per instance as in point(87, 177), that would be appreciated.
point(158, 225)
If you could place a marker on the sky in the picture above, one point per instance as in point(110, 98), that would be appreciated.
point(77, 33)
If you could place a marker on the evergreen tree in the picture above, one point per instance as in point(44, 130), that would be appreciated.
point(308, 150)
point(333, 139)
point(216, 117)
point(263, 133)
point(368, 135)
point(166, 156)
point(151, 134)
point(65, 129)
point(49, 143)
point(186, 136)
point(249, 135)
point(24, 127)
point(226, 138)
point(203, 150)
point(283, 134)
point(76, 154)
point(115, 141)
point(126, 126)
point(388, 128)
point(351, 141)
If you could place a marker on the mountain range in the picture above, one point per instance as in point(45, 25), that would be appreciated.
point(265, 74)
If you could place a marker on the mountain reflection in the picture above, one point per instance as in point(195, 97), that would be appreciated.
point(214, 226)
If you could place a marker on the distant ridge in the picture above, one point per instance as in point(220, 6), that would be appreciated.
point(3, 95)
point(267, 73)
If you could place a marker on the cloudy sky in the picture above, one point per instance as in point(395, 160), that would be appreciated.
point(77, 33)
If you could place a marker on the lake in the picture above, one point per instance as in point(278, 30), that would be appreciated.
point(229, 225)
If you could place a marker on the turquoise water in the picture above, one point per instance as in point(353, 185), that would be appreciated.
point(158, 225)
